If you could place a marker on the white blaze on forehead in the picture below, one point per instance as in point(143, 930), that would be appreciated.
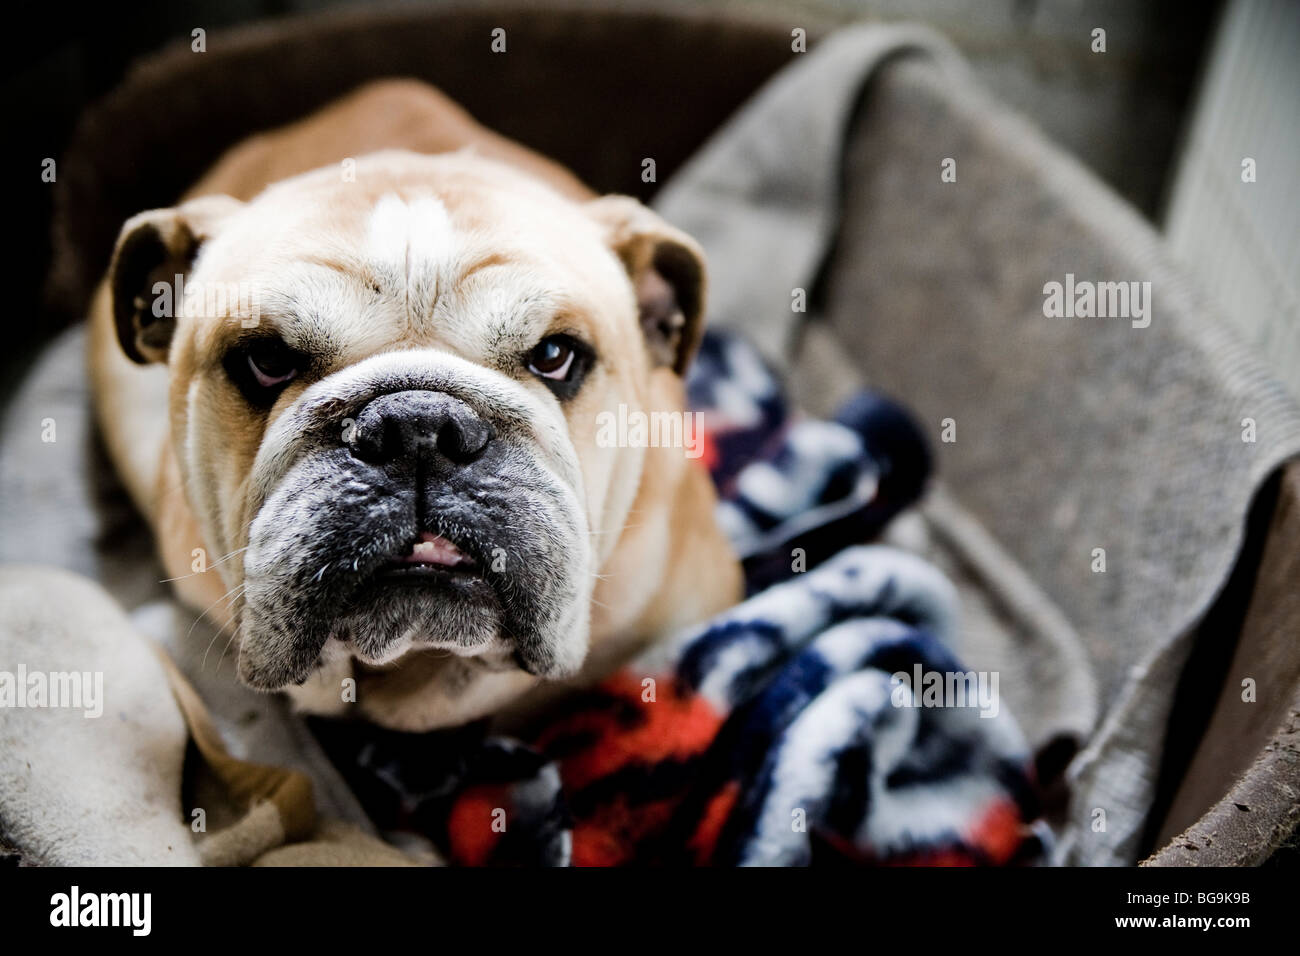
point(409, 244)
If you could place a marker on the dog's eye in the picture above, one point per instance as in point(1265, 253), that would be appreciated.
point(561, 361)
point(552, 358)
point(272, 366)
point(262, 368)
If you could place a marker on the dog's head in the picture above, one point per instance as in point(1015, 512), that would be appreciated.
point(385, 383)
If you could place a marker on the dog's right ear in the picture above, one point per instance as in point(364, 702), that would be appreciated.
point(154, 247)
point(667, 270)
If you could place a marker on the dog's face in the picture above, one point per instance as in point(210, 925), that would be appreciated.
point(384, 394)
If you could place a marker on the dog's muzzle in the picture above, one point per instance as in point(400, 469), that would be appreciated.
point(411, 519)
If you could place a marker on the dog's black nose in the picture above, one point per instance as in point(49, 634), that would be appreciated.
point(416, 424)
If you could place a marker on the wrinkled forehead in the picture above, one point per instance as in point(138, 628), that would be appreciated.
point(452, 257)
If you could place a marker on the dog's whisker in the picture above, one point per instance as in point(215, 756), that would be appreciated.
point(220, 560)
point(625, 527)
point(219, 631)
point(226, 649)
point(231, 595)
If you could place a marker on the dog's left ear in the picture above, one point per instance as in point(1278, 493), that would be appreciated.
point(153, 247)
point(667, 271)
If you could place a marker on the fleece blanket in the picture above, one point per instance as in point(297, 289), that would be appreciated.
point(816, 722)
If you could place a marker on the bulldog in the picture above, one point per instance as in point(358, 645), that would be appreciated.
point(377, 456)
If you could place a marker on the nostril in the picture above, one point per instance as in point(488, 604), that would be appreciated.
point(450, 443)
point(372, 439)
point(463, 440)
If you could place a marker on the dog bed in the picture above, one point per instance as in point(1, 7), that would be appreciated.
point(1071, 436)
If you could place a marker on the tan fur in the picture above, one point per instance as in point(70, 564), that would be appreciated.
point(663, 566)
